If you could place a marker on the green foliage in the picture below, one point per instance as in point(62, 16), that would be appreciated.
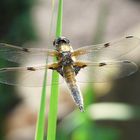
point(15, 24)
point(93, 132)
point(80, 127)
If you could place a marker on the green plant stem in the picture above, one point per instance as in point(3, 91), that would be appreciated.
point(52, 118)
point(41, 115)
point(59, 19)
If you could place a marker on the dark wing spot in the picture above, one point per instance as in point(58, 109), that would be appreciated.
point(31, 68)
point(52, 68)
point(82, 66)
point(126, 61)
point(25, 50)
point(102, 64)
point(129, 36)
point(107, 45)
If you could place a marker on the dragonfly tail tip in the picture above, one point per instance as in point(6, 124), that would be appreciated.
point(81, 108)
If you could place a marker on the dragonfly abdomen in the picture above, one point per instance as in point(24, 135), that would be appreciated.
point(69, 76)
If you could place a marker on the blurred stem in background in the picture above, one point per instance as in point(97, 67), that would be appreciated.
point(100, 28)
point(90, 96)
point(16, 27)
point(101, 23)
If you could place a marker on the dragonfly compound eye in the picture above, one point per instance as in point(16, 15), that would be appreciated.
point(60, 40)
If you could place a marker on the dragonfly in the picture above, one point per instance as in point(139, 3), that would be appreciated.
point(101, 62)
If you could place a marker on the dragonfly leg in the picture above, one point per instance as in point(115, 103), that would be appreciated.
point(78, 65)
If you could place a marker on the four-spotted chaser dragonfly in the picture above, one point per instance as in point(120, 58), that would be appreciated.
point(98, 60)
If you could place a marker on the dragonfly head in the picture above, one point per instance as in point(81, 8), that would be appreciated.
point(59, 41)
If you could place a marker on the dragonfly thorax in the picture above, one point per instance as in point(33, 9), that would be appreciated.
point(66, 58)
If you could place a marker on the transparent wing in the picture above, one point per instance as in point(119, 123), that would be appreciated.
point(106, 71)
point(26, 76)
point(23, 55)
point(108, 50)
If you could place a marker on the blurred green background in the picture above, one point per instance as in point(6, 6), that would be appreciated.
point(112, 109)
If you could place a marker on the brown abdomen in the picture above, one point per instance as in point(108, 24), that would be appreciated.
point(69, 76)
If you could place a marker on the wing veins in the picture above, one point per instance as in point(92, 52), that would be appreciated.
point(110, 46)
point(27, 50)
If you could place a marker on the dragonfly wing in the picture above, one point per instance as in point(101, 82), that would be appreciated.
point(107, 51)
point(105, 71)
point(26, 76)
point(24, 55)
